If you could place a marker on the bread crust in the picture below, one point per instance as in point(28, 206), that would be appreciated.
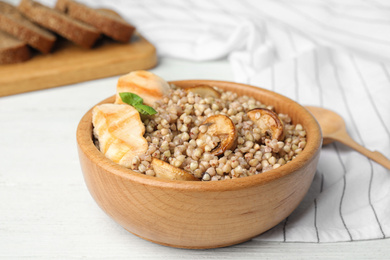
point(12, 50)
point(73, 30)
point(15, 24)
point(108, 23)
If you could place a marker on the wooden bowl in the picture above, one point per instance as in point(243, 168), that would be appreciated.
point(202, 214)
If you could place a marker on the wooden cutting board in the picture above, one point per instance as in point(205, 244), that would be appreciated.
point(68, 64)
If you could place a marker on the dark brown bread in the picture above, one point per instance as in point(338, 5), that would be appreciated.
point(54, 20)
point(108, 23)
point(12, 50)
point(14, 23)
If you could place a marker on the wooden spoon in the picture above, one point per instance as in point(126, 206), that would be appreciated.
point(333, 129)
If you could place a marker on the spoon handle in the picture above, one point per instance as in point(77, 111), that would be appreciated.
point(376, 156)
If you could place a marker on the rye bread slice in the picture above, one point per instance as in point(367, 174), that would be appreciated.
point(56, 21)
point(111, 25)
point(12, 50)
point(14, 23)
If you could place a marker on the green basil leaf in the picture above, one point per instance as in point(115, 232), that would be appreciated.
point(137, 102)
point(131, 98)
point(145, 110)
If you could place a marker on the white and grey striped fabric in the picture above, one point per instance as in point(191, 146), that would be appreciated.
point(333, 54)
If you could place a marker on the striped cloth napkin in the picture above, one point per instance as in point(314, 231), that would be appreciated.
point(333, 54)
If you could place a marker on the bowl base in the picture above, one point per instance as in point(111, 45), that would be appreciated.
point(191, 247)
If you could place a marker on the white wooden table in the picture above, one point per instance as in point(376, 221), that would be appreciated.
point(46, 211)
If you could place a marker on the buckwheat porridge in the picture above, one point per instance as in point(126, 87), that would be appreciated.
point(214, 135)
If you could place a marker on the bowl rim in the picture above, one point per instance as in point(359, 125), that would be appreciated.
point(312, 148)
